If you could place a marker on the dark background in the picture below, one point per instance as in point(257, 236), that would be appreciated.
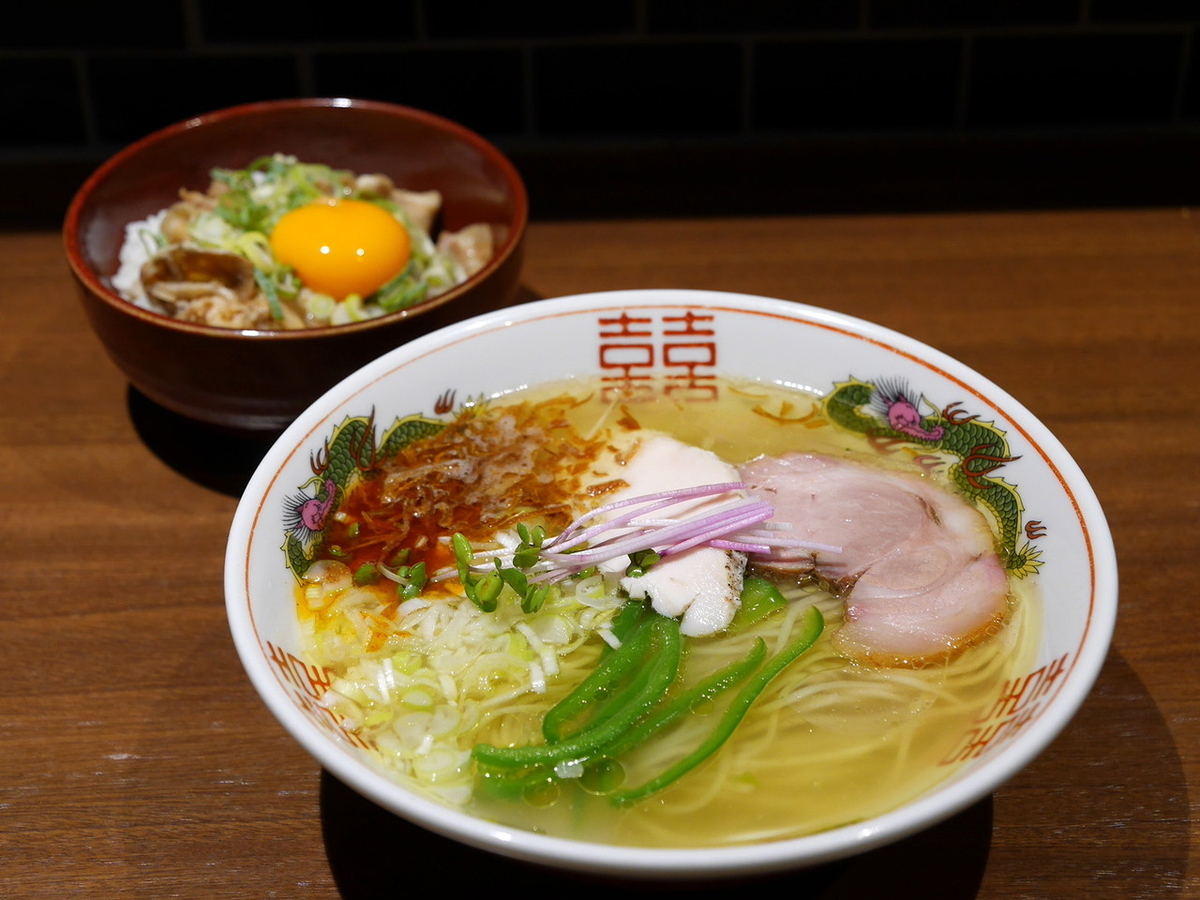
point(655, 107)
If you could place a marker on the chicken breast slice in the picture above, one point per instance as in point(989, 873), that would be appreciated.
point(700, 586)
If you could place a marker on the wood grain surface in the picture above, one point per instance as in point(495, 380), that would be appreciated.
point(137, 761)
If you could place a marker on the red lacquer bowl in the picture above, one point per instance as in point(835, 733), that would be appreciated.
point(260, 380)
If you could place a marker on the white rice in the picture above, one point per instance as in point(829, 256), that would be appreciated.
point(135, 252)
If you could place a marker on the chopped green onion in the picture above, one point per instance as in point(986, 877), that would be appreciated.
point(640, 562)
point(267, 286)
point(367, 573)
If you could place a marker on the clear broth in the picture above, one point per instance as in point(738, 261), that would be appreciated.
point(833, 740)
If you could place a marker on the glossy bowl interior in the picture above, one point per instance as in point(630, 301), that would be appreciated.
point(263, 379)
point(681, 339)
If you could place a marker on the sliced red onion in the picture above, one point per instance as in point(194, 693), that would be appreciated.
point(742, 525)
point(574, 535)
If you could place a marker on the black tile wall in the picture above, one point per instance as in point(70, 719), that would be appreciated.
point(1190, 106)
point(134, 95)
point(489, 20)
point(239, 22)
point(1096, 79)
point(646, 89)
point(418, 78)
point(977, 13)
point(31, 87)
point(1144, 11)
point(755, 17)
point(839, 85)
point(88, 26)
point(1047, 96)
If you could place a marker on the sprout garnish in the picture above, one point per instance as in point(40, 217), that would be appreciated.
point(622, 528)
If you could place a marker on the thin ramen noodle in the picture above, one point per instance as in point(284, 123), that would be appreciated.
point(425, 676)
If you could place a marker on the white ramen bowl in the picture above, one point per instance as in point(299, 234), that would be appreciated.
point(679, 340)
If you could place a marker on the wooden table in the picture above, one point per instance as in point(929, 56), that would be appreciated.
point(136, 760)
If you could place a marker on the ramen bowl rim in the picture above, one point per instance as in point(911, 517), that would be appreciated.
point(934, 805)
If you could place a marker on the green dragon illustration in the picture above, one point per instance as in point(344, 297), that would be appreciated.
point(349, 454)
point(888, 414)
point(884, 411)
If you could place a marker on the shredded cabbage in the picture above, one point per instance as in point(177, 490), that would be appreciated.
point(419, 682)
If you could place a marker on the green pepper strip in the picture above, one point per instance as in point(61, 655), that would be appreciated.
point(626, 621)
point(510, 785)
point(616, 702)
point(662, 642)
point(708, 688)
point(507, 784)
point(610, 671)
point(759, 599)
point(810, 629)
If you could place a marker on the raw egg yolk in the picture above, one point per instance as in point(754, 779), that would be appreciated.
point(342, 247)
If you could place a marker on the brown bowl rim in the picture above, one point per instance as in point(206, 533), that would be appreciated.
point(98, 288)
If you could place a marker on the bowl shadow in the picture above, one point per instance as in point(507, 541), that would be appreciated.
point(220, 460)
point(1011, 844)
point(946, 861)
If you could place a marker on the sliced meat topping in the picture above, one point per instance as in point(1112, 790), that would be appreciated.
point(917, 564)
point(701, 586)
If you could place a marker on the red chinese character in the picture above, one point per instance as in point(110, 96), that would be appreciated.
point(689, 320)
point(1050, 674)
point(626, 325)
point(1009, 699)
point(626, 357)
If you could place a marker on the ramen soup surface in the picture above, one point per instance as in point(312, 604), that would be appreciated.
point(423, 678)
